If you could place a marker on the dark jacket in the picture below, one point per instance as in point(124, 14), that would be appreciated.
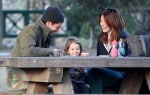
point(101, 50)
point(77, 74)
point(33, 41)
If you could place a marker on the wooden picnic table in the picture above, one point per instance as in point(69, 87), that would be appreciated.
point(43, 70)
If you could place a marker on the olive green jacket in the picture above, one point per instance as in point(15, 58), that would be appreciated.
point(33, 41)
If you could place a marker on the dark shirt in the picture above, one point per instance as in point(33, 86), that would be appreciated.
point(101, 50)
point(77, 74)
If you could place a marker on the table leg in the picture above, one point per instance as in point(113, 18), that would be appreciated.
point(147, 74)
point(65, 87)
point(36, 88)
point(132, 82)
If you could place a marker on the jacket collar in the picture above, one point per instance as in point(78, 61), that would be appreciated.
point(45, 29)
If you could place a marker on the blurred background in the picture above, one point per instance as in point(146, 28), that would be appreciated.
point(81, 18)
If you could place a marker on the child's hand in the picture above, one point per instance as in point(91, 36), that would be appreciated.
point(85, 54)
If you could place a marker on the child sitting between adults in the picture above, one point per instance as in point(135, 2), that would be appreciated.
point(78, 75)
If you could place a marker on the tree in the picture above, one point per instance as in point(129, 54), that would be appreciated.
point(1, 25)
point(85, 12)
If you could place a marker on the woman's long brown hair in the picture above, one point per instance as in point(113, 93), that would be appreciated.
point(114, 20)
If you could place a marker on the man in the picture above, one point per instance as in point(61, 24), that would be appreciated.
point(34, 39)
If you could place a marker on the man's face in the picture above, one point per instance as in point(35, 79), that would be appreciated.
point(54, 27)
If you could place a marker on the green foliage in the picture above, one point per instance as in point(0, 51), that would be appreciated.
point(85, 31)
point(144, 24)
point(129, 22)
point(83, 13)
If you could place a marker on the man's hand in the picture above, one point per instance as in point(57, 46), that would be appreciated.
point(56, 52)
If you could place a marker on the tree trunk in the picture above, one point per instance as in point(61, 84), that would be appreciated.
point(1, 26)
point(91, 38)
point(36, 4)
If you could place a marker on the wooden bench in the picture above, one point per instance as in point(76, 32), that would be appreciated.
point(12, 92)
point(43, 70)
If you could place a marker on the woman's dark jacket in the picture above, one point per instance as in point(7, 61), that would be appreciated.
point(101, 50)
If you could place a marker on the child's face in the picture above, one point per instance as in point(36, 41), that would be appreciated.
point(74, 49)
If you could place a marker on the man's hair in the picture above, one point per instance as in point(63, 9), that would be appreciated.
point(53, 14)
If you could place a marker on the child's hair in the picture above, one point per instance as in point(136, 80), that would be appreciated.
point(69, 42)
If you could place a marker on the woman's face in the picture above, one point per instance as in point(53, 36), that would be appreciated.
point(104, 26)
point(74, 49)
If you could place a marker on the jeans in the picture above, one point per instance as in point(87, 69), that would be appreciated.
point(99, 78)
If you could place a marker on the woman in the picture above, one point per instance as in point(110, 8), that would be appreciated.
point(112, 34)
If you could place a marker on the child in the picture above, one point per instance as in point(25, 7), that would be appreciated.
point(73, 48)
